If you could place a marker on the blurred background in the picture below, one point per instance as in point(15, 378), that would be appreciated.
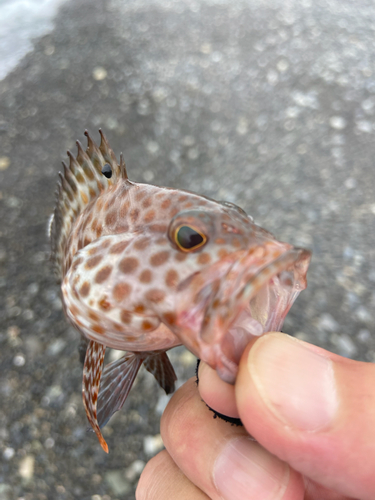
point(266, 103)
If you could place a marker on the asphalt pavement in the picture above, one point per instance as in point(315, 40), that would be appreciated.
point(268, 104)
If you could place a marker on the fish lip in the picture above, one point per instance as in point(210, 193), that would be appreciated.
point(209, 328)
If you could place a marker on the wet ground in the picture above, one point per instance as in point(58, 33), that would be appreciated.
point(267, 104)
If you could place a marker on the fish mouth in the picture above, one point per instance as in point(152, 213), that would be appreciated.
point(243, 296)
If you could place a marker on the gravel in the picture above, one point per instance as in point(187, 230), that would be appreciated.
point(268, 104)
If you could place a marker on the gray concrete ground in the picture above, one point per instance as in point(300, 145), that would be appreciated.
point(267, 104)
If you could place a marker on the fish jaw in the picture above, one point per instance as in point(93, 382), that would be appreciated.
point(245, 295)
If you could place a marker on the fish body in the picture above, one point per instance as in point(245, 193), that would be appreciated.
point(146, 268)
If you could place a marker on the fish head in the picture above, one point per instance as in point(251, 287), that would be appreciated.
point(241, 283)
point(144, 268)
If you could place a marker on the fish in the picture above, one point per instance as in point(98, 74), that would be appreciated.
point(145, 268)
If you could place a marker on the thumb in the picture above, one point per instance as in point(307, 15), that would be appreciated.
point(312, 409)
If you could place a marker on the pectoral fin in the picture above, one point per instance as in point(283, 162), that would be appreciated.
point(117, 380)
point(162, 369)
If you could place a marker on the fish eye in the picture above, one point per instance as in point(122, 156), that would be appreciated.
point(188, 238)
point(107, 171)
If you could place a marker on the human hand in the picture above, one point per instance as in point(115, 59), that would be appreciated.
point(311, 412)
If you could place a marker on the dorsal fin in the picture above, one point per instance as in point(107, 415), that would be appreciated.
point(80, 183)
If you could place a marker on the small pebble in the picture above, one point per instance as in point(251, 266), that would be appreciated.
point(152, 444)
point(117, 482)
point(337, 122)
point(148, 175)
point(49, 443)
point(328, 323)
point(134, 470)
point(4, 162)
point(8, 453)
point(99, 73)
point(19, 360)
point(26, 467)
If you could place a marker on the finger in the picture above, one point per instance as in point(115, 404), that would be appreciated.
point(220, 396)
point(220, 459)
point(161, 479)
point(313, 409)
point(216, 393)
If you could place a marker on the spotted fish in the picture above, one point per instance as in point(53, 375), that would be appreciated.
point(146, 268)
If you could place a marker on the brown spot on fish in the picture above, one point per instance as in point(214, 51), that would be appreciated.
point(120, 291)
point(220, 241)
point(204, 258)
point(93, 262)
point(118, 247)
point(88, 219)
point(93, 316)
point(110, 218)
point(86, 241)
point(166, 204)
point(222, 253)
point(104, 304)
point(85, 289)
point(128, 265)
point(139, 308)
point(180, 257)
point(74, 309)
point(99, 203)
point(121, 227)
point(149, 216)
point(161, 241)
point(125, 316)
point(145, 276)
point(124, 209)
point(182, 198)
point(147, 203)
point(142, 243)
point(99, 230)
point(215, 304)
point(96, 248)
point(159, 258)
point(155, 295)
point(109, 202)
point(134, 214)
point(98, 329)
point(170, 318)
point(77, 263)
point(141, 193)
point(171, 278)
point(158, 228)
point(103, 274)
point(146, 325)
point(118, 327)
point(84, 198)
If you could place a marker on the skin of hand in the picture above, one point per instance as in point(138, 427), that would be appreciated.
point(309, 430)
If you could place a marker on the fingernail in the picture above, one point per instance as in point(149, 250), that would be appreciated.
point(245, 470)
point(296, 382)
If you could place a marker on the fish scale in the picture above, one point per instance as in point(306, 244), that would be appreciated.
point(146, 268)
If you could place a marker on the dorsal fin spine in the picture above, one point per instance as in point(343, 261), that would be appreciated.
point(80, 183)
